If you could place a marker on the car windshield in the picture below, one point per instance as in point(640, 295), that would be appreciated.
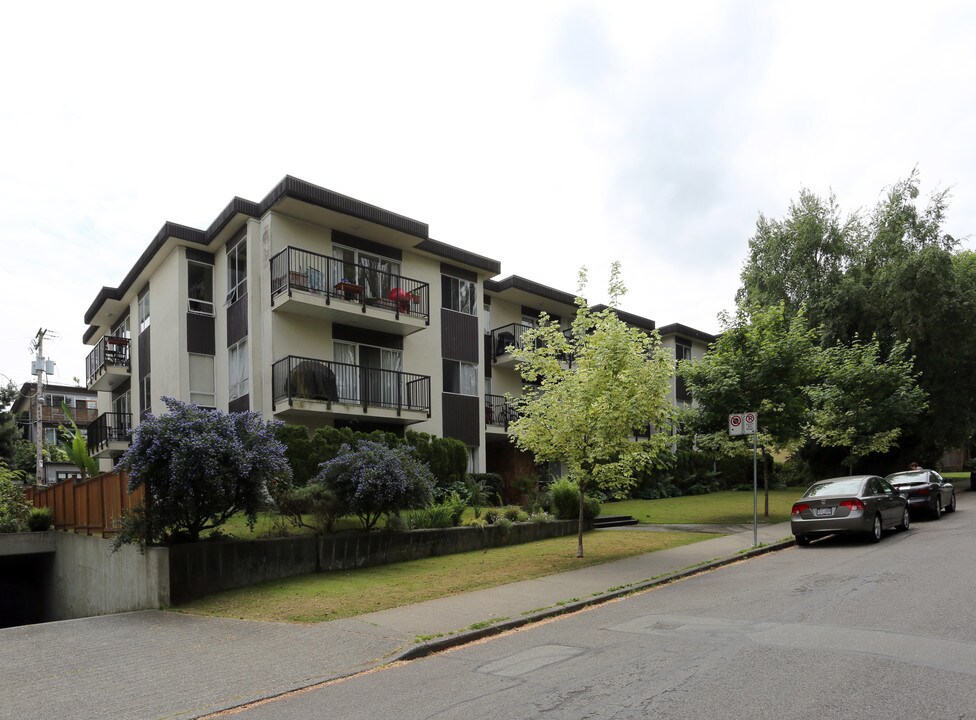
point(835, 487)
point(908, 477)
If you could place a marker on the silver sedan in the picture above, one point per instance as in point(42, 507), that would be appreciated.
point(863, 504)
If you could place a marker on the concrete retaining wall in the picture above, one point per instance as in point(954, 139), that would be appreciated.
point(87, 578)
point(198, 569)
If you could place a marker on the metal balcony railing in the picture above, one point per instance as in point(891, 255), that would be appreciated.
point(294, 269)
point(109, 351)
point(310, 379)
point(498, 411)
point(107, 427)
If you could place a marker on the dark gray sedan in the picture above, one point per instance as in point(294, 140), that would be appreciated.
point(863, 504)
point(925, 490)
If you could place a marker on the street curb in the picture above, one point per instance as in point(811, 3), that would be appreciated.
point(467, 636)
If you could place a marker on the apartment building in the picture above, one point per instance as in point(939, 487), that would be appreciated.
point(317, 309)
point(56, 406)
point(310, 307)
point(687, 344)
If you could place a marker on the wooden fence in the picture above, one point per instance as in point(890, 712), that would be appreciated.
point(90, 507)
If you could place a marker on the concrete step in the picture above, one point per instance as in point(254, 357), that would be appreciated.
point(614, 521)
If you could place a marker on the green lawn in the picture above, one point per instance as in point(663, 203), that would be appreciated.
point(732, 506)
point(334, 595)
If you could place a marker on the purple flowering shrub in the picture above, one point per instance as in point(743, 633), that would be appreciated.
point(199, 467)
point(375, 479)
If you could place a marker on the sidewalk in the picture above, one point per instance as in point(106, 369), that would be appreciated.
point(156, 664)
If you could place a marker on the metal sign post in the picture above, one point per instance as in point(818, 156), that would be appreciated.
point(748, 424)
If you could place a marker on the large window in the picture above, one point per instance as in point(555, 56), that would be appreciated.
point(144, 313)
point(122, 329)
point(237, 367)
point(378, 275)
point(459, 295)
point(199, 288)
point(237, 271)
point(122, 406)
point(369, 372)
point(682, 351)
point(460, 377)
point(145, 397)
point(202, 384)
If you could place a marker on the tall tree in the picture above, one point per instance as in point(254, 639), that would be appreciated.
point(9, 432)
point(588, 390)
point(864, 401)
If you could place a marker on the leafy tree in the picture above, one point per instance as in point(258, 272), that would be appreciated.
point(891, 273)
point(9, 432)
point(199, 467)
point(584, 413)
point(14, 508)
point(864, 401)
point(375, 479)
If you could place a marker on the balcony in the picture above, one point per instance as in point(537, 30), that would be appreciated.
point(109, 434)
point(306, 387)
point(504, 337)
point(108, 364)
point(498, 413)
point(318, 286)
point(79, 413)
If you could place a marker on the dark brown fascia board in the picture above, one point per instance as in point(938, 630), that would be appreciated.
point(516, 282)
point(292, 187)
point(89, 333)
point(629, 318)
point(679, 329)
point(462, 257)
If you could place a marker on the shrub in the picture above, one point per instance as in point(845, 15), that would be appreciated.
point(40, 519)
point(314, 500)
point(375, 479)
point(795, 472)
point(565, 501)
point(457, 504)
point(199, 467)
point(14, 508)
point(515, 513)
point(432, 516)
point(447, 458)
point(490, 485)
point(541, 516)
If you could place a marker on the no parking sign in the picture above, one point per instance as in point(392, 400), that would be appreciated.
point(743, 423)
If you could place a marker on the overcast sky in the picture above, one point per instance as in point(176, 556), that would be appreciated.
point(545, 135)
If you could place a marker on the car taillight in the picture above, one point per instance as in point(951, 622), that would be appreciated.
point(852, 505)
point(799, 508)
point(921, 491)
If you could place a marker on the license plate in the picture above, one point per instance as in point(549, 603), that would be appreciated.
point(823, 512)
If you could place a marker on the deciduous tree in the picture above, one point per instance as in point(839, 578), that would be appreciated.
point(588, 390)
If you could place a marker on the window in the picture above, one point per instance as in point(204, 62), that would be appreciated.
point(368, 372)
point(460, 377)
point(56, 401)
point(144, 313)
point(472, 459)
point(682, 351)
point(202, 384)
point(199, 288)
point(122, 406)
point(122, 329)
point(237, 271)
point(50, 436)
point(237, 367)
point(378, 275)
point(145, 397)
point(459, 295)
point(487, 316)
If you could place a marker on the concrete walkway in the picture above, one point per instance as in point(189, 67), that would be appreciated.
point(157, 664)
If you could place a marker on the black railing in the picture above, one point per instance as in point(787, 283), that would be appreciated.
point(109, 351)
point(333, 279)
point(328, 381)
point(505, 336)
point(113, 426)
point(498, 411)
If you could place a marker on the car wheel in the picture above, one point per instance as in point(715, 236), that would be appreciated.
point(937, 508)
point(951, 507)
point(905, 520)
point(802, 540)
point(876, 529)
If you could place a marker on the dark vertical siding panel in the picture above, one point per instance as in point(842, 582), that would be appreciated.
point(459, 336)
point(487, 355)
point(200, 334)
point(461, 418)
point(145, 360)
point(237, 321)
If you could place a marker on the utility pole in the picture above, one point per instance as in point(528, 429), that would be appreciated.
point(39, 368)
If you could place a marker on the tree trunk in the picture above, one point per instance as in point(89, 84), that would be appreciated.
point(579, 536)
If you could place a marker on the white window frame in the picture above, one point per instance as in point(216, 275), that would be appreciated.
point(238, 370)
point(122, 330)
point(144, 311)
point(206, 396)
point(236, 278)
point(199, 306)
point(467, 378)
point(454, 301)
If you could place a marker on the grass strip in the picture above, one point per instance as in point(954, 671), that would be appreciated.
point(333, 595)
